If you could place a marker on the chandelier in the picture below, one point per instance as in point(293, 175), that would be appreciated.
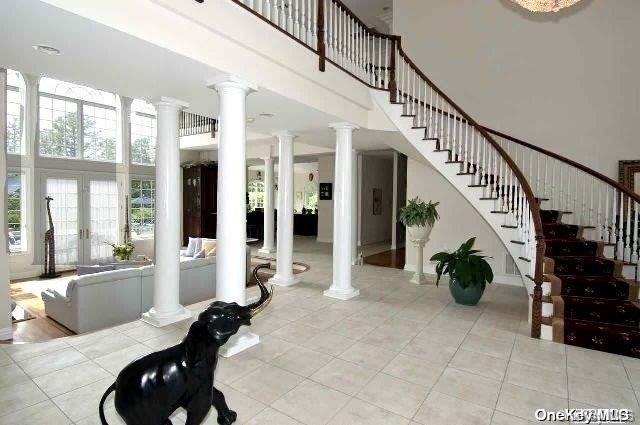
point(545, 6)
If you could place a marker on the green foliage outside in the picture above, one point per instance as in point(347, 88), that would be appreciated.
point(464, 265)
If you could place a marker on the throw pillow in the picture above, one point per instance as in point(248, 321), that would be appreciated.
point(199, 254)
point(192, 248)
point(209, 247)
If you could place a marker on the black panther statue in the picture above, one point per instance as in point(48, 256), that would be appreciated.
point(150, 389)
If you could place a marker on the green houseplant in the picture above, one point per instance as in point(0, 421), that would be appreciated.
point(419, 217)
point(122, 252)
point(468, 272)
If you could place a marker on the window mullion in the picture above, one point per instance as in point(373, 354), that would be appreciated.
point(80, 140)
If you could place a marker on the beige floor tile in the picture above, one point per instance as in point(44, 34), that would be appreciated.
point(368, 356)
point(295, 333)
point(539, 379)
point(269, 348)
point(414, 370)
point(76, 340)
point(20, 396)
point(167, 340)
point(290, 312)
point(244, 406)
point(432, 353)
point(233, 368)
point(431, 336)
point(113, 418)
point(442, 409)
point(4, 358)
point(358, 412)
point(500, 418)
point(390, 337)
point(469, 387)
point(71, 378)
point(20, 352)
point(351, 329)
point(490, 346)
point(480, 364)
point(271, 417)
point(267, 383)
point(343, 376)
point(523, 402)
point(82, 402)
point(42, 413)
point(600, 394)
point(329, 343)
point(11, 374)
point(116, 361)
point(105, 345)
point(311, 403)
point(393, 394)
point(146, 332)
point(604, 372)
point(301, 361)
point(489, 331)
point(264, 325)
point(47, 363)
point(578, 357)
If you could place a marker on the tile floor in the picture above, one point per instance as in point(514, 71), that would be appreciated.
point(398, 354)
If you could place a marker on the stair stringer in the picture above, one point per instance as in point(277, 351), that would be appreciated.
point(450, 173)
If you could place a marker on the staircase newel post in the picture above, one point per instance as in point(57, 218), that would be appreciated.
point(322, 50)
point(536, 313)
point(393, 85)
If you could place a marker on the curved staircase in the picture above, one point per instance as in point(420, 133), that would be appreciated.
point(573, 232)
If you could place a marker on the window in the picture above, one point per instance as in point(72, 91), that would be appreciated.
point(77, 122)
point(143, 202)
point(15, 112)
point(256, 194)
point(16, 235)
point(143, 133)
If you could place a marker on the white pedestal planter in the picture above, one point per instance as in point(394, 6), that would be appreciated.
point(419, 235)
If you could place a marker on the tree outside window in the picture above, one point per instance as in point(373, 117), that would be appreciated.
point(256, 194)
point(15, 210)
point(143, 200)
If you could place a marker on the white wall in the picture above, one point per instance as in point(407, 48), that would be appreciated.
point(377, 173)
point(458, 222)
point(326, 174)
point(565, 81)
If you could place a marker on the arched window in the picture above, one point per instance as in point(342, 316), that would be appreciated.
point(143, 133)
point(15, 113)
point(77, 122)
point(256, 194)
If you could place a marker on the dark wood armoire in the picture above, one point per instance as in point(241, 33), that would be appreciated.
point(199, 201)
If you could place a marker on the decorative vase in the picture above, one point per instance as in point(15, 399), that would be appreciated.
point(466, 296)
point(419, 232)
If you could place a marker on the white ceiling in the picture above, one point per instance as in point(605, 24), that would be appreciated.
point(104, 58)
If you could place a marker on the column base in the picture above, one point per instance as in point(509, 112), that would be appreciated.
point(238, 343)
point(284, 280)
point(6, 334)
point(264, 250)
point(342, 294)
point(160, 320)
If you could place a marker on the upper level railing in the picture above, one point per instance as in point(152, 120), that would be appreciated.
point(191, 124)
point(513, 173)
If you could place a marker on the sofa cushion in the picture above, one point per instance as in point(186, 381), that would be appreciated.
point(193, 247)
point(209, 247)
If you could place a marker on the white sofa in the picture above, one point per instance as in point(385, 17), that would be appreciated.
point(95, 301)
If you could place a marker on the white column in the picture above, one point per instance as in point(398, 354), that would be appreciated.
point(394, 203)
point(355, 218)
point(284, 264)
point(268, 246)
point(6, 327)
point(231, 233)
point(124, 175)
point(342, 217)
point(27, 164)
point(166, 279)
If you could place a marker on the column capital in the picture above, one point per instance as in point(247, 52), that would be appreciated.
point(229, 81)
point(169, 101)
point(126, 102)
point(285, 134)
point(343, 126)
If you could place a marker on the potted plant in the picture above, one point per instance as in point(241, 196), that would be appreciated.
point(468, 272)
point(122, 252)
point(419, 217)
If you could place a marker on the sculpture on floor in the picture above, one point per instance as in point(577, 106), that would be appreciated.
point(150, 389)
point(49, 247)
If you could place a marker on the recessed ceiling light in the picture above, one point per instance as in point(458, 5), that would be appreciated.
point(47, 50)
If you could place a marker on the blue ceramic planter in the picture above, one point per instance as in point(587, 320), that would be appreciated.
point(466, 296)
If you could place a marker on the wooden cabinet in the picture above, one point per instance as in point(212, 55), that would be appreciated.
point(199, 203)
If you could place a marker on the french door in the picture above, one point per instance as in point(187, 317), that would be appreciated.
point(84, 211)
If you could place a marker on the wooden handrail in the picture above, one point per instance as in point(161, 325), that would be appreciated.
point(571, 162)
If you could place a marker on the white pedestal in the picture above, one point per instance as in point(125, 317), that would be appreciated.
point(238, 343)
point(418, 277)
point(160, 320)
point(266, 250)
point(284, 280)
point(341, 294)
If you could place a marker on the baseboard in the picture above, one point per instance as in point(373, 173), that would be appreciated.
point(33, 271)
point(6, 334)
point(501, 279)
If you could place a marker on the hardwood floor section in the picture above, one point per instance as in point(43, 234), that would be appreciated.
point(394, 258)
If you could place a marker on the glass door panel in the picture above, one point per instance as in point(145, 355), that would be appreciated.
point(102, 228)
point(64, 213)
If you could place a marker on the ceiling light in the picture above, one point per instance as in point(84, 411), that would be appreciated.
point(47, 50)
point(545, 6)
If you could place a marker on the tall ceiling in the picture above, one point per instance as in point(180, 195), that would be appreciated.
point(372, 12)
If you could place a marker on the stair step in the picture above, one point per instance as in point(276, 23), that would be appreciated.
point(454, 162)
point(499, 212)
point(579, 265)
point(525, 259)
point(418, 127)
point(506, 226)
point(551, 216)
point(597, 310)
point(434, 139)
point(465, 174)
point(477, 185)
point(560, 231)
point(518, 242)
point(571, 247)
point(593, 286)
point(617, 339)
point(491, 199)
point(442, 150)
point(408, 115)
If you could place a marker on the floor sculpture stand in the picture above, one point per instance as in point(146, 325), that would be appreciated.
point(418, 277)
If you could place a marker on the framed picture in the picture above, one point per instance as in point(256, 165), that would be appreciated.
point(629, 175)
point(377, 201)
point(326, 191)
